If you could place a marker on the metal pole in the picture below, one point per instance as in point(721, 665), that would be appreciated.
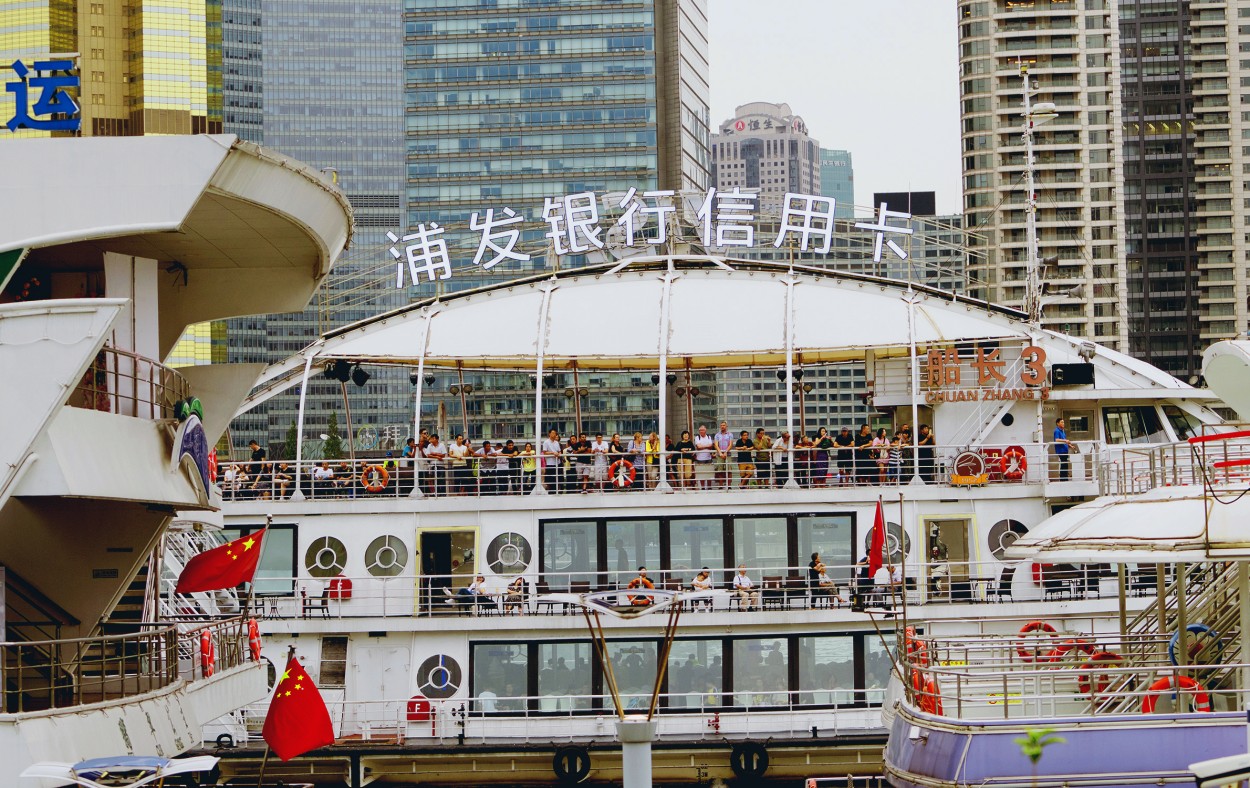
point(1032, 289)
point(915, 384)
point(791, 482)
point(416, 413)
point(1243, 603)
point(351, 436)
point(464, 408)
point(577, 401)
point(635, 733)
point(663, 485)
point(689, 401)
point(1122, 591)
point(298, 494)
point(541, 341)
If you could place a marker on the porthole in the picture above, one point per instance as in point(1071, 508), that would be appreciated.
point(386, 556)
point(509, 554)
point(894, 537)
point(439, 677)
point(325, 557)
point(1004, 534)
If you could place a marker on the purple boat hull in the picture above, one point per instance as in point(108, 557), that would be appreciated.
point(1126, 751)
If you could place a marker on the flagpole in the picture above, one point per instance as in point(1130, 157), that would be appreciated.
point(902, 527)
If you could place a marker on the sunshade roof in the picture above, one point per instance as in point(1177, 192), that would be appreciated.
point(721, 313)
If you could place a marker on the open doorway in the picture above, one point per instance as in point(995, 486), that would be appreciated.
point(947, 557)
point(448, 563)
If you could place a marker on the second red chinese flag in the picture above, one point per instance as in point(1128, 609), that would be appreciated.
point(298, 720)
point(876, 549)
point(222, 567)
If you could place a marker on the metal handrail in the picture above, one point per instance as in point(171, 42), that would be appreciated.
point(126, 383)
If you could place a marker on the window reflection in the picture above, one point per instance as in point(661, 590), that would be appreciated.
point(827, 670)
point(694, 674)
point(760, 542)
point(570, 552)
point(632, 543)
point(833, 538)
point(634, 665)
point(564, 679)
point(760, 672)
point(499, 676)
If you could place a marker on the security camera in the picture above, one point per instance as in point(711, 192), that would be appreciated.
point(1221, 771)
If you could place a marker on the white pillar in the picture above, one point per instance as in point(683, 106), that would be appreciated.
point(416, 413)
point(791, 482)
point(541, 341)
point(635, 734)
point(915, 386)
point(1243, 599)
point(663, 485)
point(298, 495)
point(132, 383)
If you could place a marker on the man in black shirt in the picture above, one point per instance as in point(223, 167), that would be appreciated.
point(846, 459)
point(746, 465)
point(258, 457)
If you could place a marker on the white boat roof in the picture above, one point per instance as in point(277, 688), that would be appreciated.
point(238, 229)
point(722, 312)
point(1163, 525)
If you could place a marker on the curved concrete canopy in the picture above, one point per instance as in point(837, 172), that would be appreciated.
point(239, 230)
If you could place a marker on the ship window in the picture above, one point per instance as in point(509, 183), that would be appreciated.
point(831, 536)
point(696, 543)
point(500, 676)
point(632, 543)
point(827, 670)
point(695, 673)
point(761, 676)
point(570, 552)
point(634, 665)
point(1182, 423)
point(564, 680)
point(333, 670)
point(275, 575)
point(877, 668)
point(1135, 424)
point(760, 543)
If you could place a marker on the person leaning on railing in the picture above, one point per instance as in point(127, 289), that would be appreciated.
point(763, 462)
point(653, 449)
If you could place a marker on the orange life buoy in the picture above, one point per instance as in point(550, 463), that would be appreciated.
point(253, 639)
point(1029, 628)
point(1013, 463)
point(208, 660)
point(374, 478)
point(1063, 649)
point(1202, 701)
point(622, 473)
point(640, 599)
point(920, 655)
point(1097, 682)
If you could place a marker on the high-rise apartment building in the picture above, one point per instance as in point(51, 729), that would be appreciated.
point(837, 180)
point(1070, 50)
point(765, 147)
point(144, 67)
point(1140, 189)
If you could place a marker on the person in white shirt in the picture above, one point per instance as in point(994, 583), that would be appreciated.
point(744, 589)
point(476, 593)
point(781, 459)
point(887, 580)
point(550, 459)
point(486, 477)
point(458, 453)
point(599, 448)
point(703, 582)
point(436, 454)
point(703, 470)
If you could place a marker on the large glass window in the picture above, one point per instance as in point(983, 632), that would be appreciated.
point(499, 676)
point(827, 670)
point(632, 543)
point(761, 674)
point(570, 552)
point(831, 536)
point(761, 544)
point(564, 678)
point(877, 668)
point(695, 674)
point(696, 543)
point(1136, 424)
point(634, 665)
point(275, 574)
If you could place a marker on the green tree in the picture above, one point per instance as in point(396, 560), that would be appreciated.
point(333, 448)
point(292, 440)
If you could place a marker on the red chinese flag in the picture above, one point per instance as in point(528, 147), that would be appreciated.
point(222, 567)
point(298, 720)
point(876, 548)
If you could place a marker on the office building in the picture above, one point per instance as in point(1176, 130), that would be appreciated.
point(143, 67)
point(765, 147)
point(837, 180)
point(511, 104)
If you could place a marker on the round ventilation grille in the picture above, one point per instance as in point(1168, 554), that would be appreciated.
point(439, 677)
point(894, 537)
point(386, 556)
point(509, 554)
point(1004, 534)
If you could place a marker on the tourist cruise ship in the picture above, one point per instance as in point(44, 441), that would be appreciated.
point(109, 249)
point(368, 565)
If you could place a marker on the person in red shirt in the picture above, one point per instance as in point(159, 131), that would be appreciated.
point(642, 582)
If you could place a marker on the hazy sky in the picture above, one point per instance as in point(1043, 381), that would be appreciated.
point(879, 78)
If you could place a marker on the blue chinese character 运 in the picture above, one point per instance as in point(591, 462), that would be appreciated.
point(53, 100)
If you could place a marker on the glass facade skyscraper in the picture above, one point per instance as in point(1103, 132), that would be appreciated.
point(837, 180)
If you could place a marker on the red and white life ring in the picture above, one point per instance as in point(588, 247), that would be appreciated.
point(1034, 654)
point(1097, 682)
point(931, 698)
point(208, 660)
point(374, 478)
point(1063, 649)
point(1201, 700)
point(622, 473)
point(1013, 463)
point(253, 639)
